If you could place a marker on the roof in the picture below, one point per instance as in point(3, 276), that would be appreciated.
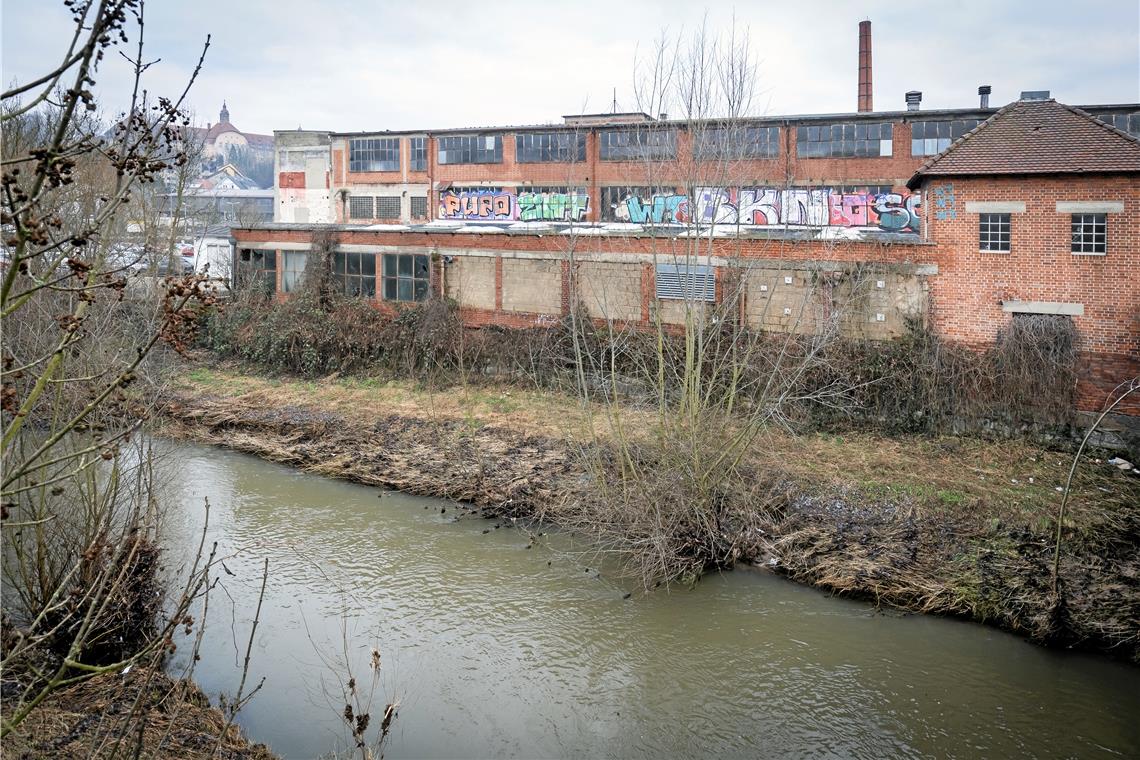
point(1035, 137)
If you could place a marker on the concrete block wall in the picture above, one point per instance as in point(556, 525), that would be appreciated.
point(532, 286)
point(609, 291)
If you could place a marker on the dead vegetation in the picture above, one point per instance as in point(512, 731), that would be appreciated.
point(141, 712)
point(953, 525)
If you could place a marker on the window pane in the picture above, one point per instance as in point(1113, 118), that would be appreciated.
point(421, 264)
point(390, 289)
point(368, 263)
point(390, 264)
point(421, 290)
point(404, 289)
point(405, 262)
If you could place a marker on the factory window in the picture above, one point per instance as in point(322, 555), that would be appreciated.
point(471, 149)
point(851, 140)
point(737, 142)
point(293, 270)
point(929, 138)
point(360, 207)
point(388, 207)
point(354, 274)
point(374, 154)
point(993, 232)
point(406, 277)
point(419, 207)
point(686, 283)
point(1089, 234)
point(418, 148)
point(543, 147)
point(1125, 122)
point(637, 144)
point(257, 270)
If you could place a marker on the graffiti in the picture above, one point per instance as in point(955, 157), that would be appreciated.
point(506, 205)
point(944, 203)
point(765, 206)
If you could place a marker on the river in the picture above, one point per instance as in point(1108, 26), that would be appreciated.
point(500, 647)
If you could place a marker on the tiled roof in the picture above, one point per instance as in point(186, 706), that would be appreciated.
point(1036, 137)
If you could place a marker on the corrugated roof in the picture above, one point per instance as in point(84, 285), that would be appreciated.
point(1036, 137)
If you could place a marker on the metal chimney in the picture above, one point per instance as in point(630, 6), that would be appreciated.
point(984, 92)
point(865, 100)
point(913, 98)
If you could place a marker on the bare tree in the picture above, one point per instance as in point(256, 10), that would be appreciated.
point(80, 560)
point(683, 493)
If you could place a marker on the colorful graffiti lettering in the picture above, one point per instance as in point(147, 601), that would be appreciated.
point(659, 209)
point(486, 206)
point(815, 207)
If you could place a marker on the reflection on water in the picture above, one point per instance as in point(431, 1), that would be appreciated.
point(499, 650)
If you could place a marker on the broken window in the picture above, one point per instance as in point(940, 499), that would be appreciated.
point(993, 232)
point(374, 154)
point(1090, 234)
point(257, 270)
point(406, 276)
point(847, 140)
point(354, 274)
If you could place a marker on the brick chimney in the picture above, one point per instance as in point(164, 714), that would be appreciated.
point(865, 101)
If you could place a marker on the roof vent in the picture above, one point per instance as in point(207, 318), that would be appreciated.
point(984, 93)
point(913, 98)
point(663, 116)
point(1034, 95)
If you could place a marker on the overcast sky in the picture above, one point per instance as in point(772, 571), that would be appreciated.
point(350, 65)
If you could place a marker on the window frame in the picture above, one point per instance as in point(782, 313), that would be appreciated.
point(1083, 226)
point(251, 270)
point(356, 202)
point(637, 144)
point(470, 149)
point(559, 146)
point(387, 201)
point(994, 230)
point(417, 154)
point(292, 276)
point(759, 142)
point(420, 200)
point(417, 271)
point(820, 140)
point(374, 154)
point(349, 271)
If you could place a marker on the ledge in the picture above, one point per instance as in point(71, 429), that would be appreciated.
point(1090, 207)
point(995, 207)
point(1044, 307)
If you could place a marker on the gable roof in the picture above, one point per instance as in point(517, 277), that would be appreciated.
point(1035, 137)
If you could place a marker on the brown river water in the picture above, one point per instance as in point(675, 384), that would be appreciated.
point(495, 649)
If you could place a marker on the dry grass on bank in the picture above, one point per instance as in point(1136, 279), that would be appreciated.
point(173, 719)
point(1007, 479)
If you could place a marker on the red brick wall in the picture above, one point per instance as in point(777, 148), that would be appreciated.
point(971, 285)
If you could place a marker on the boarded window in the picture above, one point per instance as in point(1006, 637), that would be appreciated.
point(692, 282)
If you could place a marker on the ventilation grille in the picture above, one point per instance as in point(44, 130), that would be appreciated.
point(686, 283)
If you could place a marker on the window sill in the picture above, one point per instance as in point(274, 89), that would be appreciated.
point(1086, 253)
point(1001, 253)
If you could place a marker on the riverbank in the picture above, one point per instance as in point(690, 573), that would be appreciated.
point(142, 713)
point(956, 526)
